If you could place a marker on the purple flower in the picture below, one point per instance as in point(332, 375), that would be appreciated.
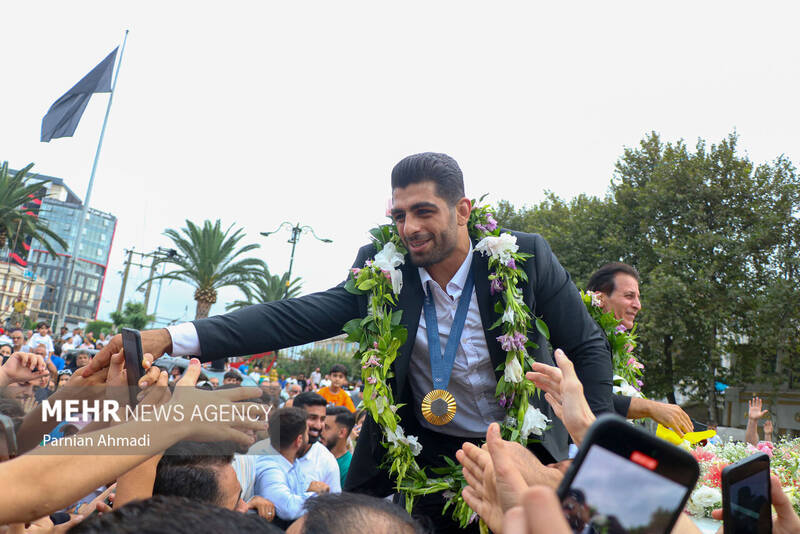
point(481, 227)
point(496, 286)
point(639, 382)
point(511, 264)
point(621, 329)
point(515, 342)
point(502, 401)
point(371, 380)
point(491, 224)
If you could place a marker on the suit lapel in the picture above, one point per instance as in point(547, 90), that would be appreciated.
point(410, 302)
point(486, 303)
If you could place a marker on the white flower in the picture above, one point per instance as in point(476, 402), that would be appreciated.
point(388, 259)
point(499, 247)
point(513, 371)
point(380, 404)
point(508, 315)
point(534, 423)
point(414, 445)
point(622, 387)
point(395, 437)
point(702, 498)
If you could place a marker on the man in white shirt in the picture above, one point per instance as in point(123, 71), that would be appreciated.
point(278, 475)
point(316, 461)
point(315, 376)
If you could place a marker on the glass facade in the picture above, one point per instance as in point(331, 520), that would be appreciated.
point(94, 248)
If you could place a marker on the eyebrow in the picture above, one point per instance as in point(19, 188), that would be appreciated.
point(414, 207)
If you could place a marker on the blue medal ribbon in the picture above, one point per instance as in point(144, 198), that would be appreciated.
point(442, 364)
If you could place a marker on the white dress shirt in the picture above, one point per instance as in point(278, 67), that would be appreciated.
point(472, 381)
point(245, 467)
point(283, 484)
point(320, 464)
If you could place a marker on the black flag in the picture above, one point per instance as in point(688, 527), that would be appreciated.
point(64, 115)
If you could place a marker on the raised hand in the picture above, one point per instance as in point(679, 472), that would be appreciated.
point(755, 411)
point(22, 367)
point(154, 342)
point(670, 415)
point(564, 392)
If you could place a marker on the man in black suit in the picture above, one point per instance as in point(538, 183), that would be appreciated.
point(431, 212)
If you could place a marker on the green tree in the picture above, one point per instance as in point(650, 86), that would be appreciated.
point(133, 315)
point(312, 358)
point(15, 224)
point(209, 259)
point(99, 327)
point(267, 287)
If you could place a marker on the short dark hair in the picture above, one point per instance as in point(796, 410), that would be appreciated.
point(344, 416)
point(338, 368)
point(440, 169)
point(603, 278)
point(83, 351)
point(309, 398)
point(41, 324)
point(172, 515)
point(196, 482)
point(285, 424)
point(198, 453)
point(232, 374)
point(324, 515)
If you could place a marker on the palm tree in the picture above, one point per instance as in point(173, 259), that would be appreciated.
point(266, 287)
point(208, 259)
point(17, 223)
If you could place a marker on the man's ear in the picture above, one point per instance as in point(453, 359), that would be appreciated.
point(463, 208)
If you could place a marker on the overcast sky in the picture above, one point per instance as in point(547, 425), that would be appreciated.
point(261, 112)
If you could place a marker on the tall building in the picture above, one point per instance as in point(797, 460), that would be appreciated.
point(61, 208)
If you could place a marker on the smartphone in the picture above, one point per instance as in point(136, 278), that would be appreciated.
point(132, 346)
point(746, 496)
point(626, 480)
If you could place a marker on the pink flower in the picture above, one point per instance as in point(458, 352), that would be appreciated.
point(371, 380)
point(371, 362)
point(765, 447)
point(375, 344)
point(355, 272)
point(515, 342)
point(621, 329)
point(628, 347)
point(491, 224)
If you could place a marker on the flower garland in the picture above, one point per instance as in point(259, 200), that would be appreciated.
point(380, 336)
point(627, 369)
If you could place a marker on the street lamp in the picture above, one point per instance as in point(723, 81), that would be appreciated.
point(296, 231)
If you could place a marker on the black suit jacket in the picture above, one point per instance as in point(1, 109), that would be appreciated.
point(549, 293)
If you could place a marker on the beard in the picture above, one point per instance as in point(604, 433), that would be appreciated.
point(331, 443)
point(444, 243)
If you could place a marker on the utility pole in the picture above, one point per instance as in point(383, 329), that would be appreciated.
point(125, 279)
point(297, 230)
point(153, 266)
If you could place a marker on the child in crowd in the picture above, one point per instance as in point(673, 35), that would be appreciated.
point(334, 394)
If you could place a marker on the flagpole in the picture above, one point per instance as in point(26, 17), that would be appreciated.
point(84, 212)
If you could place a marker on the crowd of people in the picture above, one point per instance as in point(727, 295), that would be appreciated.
point(294, 454)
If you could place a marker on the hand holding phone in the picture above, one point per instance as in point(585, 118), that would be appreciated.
point(132, 347)
point(746, 496)
point(625, 480)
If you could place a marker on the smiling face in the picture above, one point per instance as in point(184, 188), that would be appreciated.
point(427, 225)
point(624, 300)
point(316, 421)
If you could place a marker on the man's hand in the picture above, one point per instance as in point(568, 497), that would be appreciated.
point(564, 392)
point(155, 342)
point(768, 430)
point(264, 507)
point(318, 487)
point(755, 412)
point(495, 481)
point(539, 513)
point(22, 367)
point(669, 415)
point(785, 521)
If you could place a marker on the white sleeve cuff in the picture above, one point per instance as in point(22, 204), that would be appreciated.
point(184, 340)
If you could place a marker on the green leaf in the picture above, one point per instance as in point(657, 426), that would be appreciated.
point(542, 328)
point(366, 285)
point(350, 286)
point(353, 329)
point(397, 316)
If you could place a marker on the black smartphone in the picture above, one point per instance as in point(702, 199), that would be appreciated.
point(626, 480)
point(746, 496)
point(132, 346)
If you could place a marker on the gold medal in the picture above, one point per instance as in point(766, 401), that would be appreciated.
point(439, 407)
